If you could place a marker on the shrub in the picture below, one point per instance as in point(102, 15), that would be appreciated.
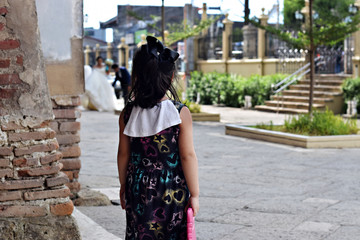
point(351, 89)
point(193, 107)
point(320, 124)
point(317, 124)
point(230, 90)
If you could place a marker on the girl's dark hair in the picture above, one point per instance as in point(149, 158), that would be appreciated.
point(99, 58)
point(151, 79)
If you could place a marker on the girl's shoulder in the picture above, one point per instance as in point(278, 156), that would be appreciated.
point(178, 105)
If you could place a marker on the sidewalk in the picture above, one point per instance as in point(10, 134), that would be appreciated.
point(249, 189)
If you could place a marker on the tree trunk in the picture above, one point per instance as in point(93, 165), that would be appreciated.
point(311, 56)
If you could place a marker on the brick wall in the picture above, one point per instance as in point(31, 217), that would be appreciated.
point(67, 135)
point(31, 182)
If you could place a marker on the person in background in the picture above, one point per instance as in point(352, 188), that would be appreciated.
point(122, 75)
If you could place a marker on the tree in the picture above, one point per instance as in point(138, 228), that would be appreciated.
point(177, 31)
point(333, 24)
point(339, 10)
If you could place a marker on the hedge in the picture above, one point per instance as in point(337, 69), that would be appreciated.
point(230, 89)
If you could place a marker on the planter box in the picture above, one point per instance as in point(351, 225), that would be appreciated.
point(338, 141)
point(206, 117)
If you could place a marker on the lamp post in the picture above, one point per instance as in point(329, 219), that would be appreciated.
point(163, 20)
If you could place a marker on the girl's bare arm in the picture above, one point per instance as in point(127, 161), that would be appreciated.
point(188, 157)
point(123, 158)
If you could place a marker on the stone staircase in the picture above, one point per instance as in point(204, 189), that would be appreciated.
point(327, 93)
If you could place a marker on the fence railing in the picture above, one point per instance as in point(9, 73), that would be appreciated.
point(210, 47)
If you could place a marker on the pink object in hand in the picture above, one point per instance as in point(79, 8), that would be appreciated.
point(191, 224)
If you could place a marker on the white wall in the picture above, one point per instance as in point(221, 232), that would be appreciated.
point(59, 21)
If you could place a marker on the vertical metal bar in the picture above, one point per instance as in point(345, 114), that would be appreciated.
point(163, 21)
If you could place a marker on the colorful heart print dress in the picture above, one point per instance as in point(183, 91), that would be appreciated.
point(156, 191)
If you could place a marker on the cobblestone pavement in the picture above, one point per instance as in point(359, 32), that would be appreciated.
point(249, 189)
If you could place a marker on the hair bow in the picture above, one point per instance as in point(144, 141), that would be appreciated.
point(156, 48)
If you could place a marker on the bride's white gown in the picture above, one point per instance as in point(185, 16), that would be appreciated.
point(100, 92)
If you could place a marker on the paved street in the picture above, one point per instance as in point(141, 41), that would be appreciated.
point(249, 189)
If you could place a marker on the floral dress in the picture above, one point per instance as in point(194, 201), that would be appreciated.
point(156, 191)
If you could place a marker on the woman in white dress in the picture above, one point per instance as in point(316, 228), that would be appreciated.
point(98, 89)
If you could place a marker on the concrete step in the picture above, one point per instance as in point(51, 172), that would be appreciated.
point(331, 76)
point(324, 82)
point(317, 94)
point(293, 105)
point(316, 88)
point(300, 99)
point(280, 109)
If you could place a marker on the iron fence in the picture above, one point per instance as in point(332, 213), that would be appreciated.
point(210, 47)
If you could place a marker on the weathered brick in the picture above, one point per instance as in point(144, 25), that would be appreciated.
point(21, 184)
point(71, 163)
point(6, 79)
point(51, 146)
point(19, 60)
point(22, 211)
point(71, 151)
point(51, 158)
point(54, 126)
point(10, 196)
point(67, 113)
point(3, 11)
point(58, 180)
point(23, 136)
point(9, 44)
point(36, 195)
point(69, 126)
point(6, 151)
point(4, 63)
point(74, 186)
point(62, 209)
point(6, 173)
point(7, 93)
point(65, 139)
point(69, 174)
point(25, 162)
point(33, 172)
point(4, 162)
point(76, 174)
point(42, 125)
point(66, 101)
point(10, 126)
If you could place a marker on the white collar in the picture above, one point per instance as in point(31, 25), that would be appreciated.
point(144, 122)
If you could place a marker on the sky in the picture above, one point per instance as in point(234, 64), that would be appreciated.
point(100, 11)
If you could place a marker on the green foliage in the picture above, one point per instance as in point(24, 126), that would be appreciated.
point(193, 107)
point(290, 7)
point(230, 90)
point(351, 90)
point(320, 124)
point(177, 31)
point(155, 19)
point(317, 124)
point(333, 25)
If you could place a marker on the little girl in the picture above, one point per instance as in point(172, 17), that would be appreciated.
point(157, 164)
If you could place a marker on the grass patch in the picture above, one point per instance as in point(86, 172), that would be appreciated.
point(318, 124)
